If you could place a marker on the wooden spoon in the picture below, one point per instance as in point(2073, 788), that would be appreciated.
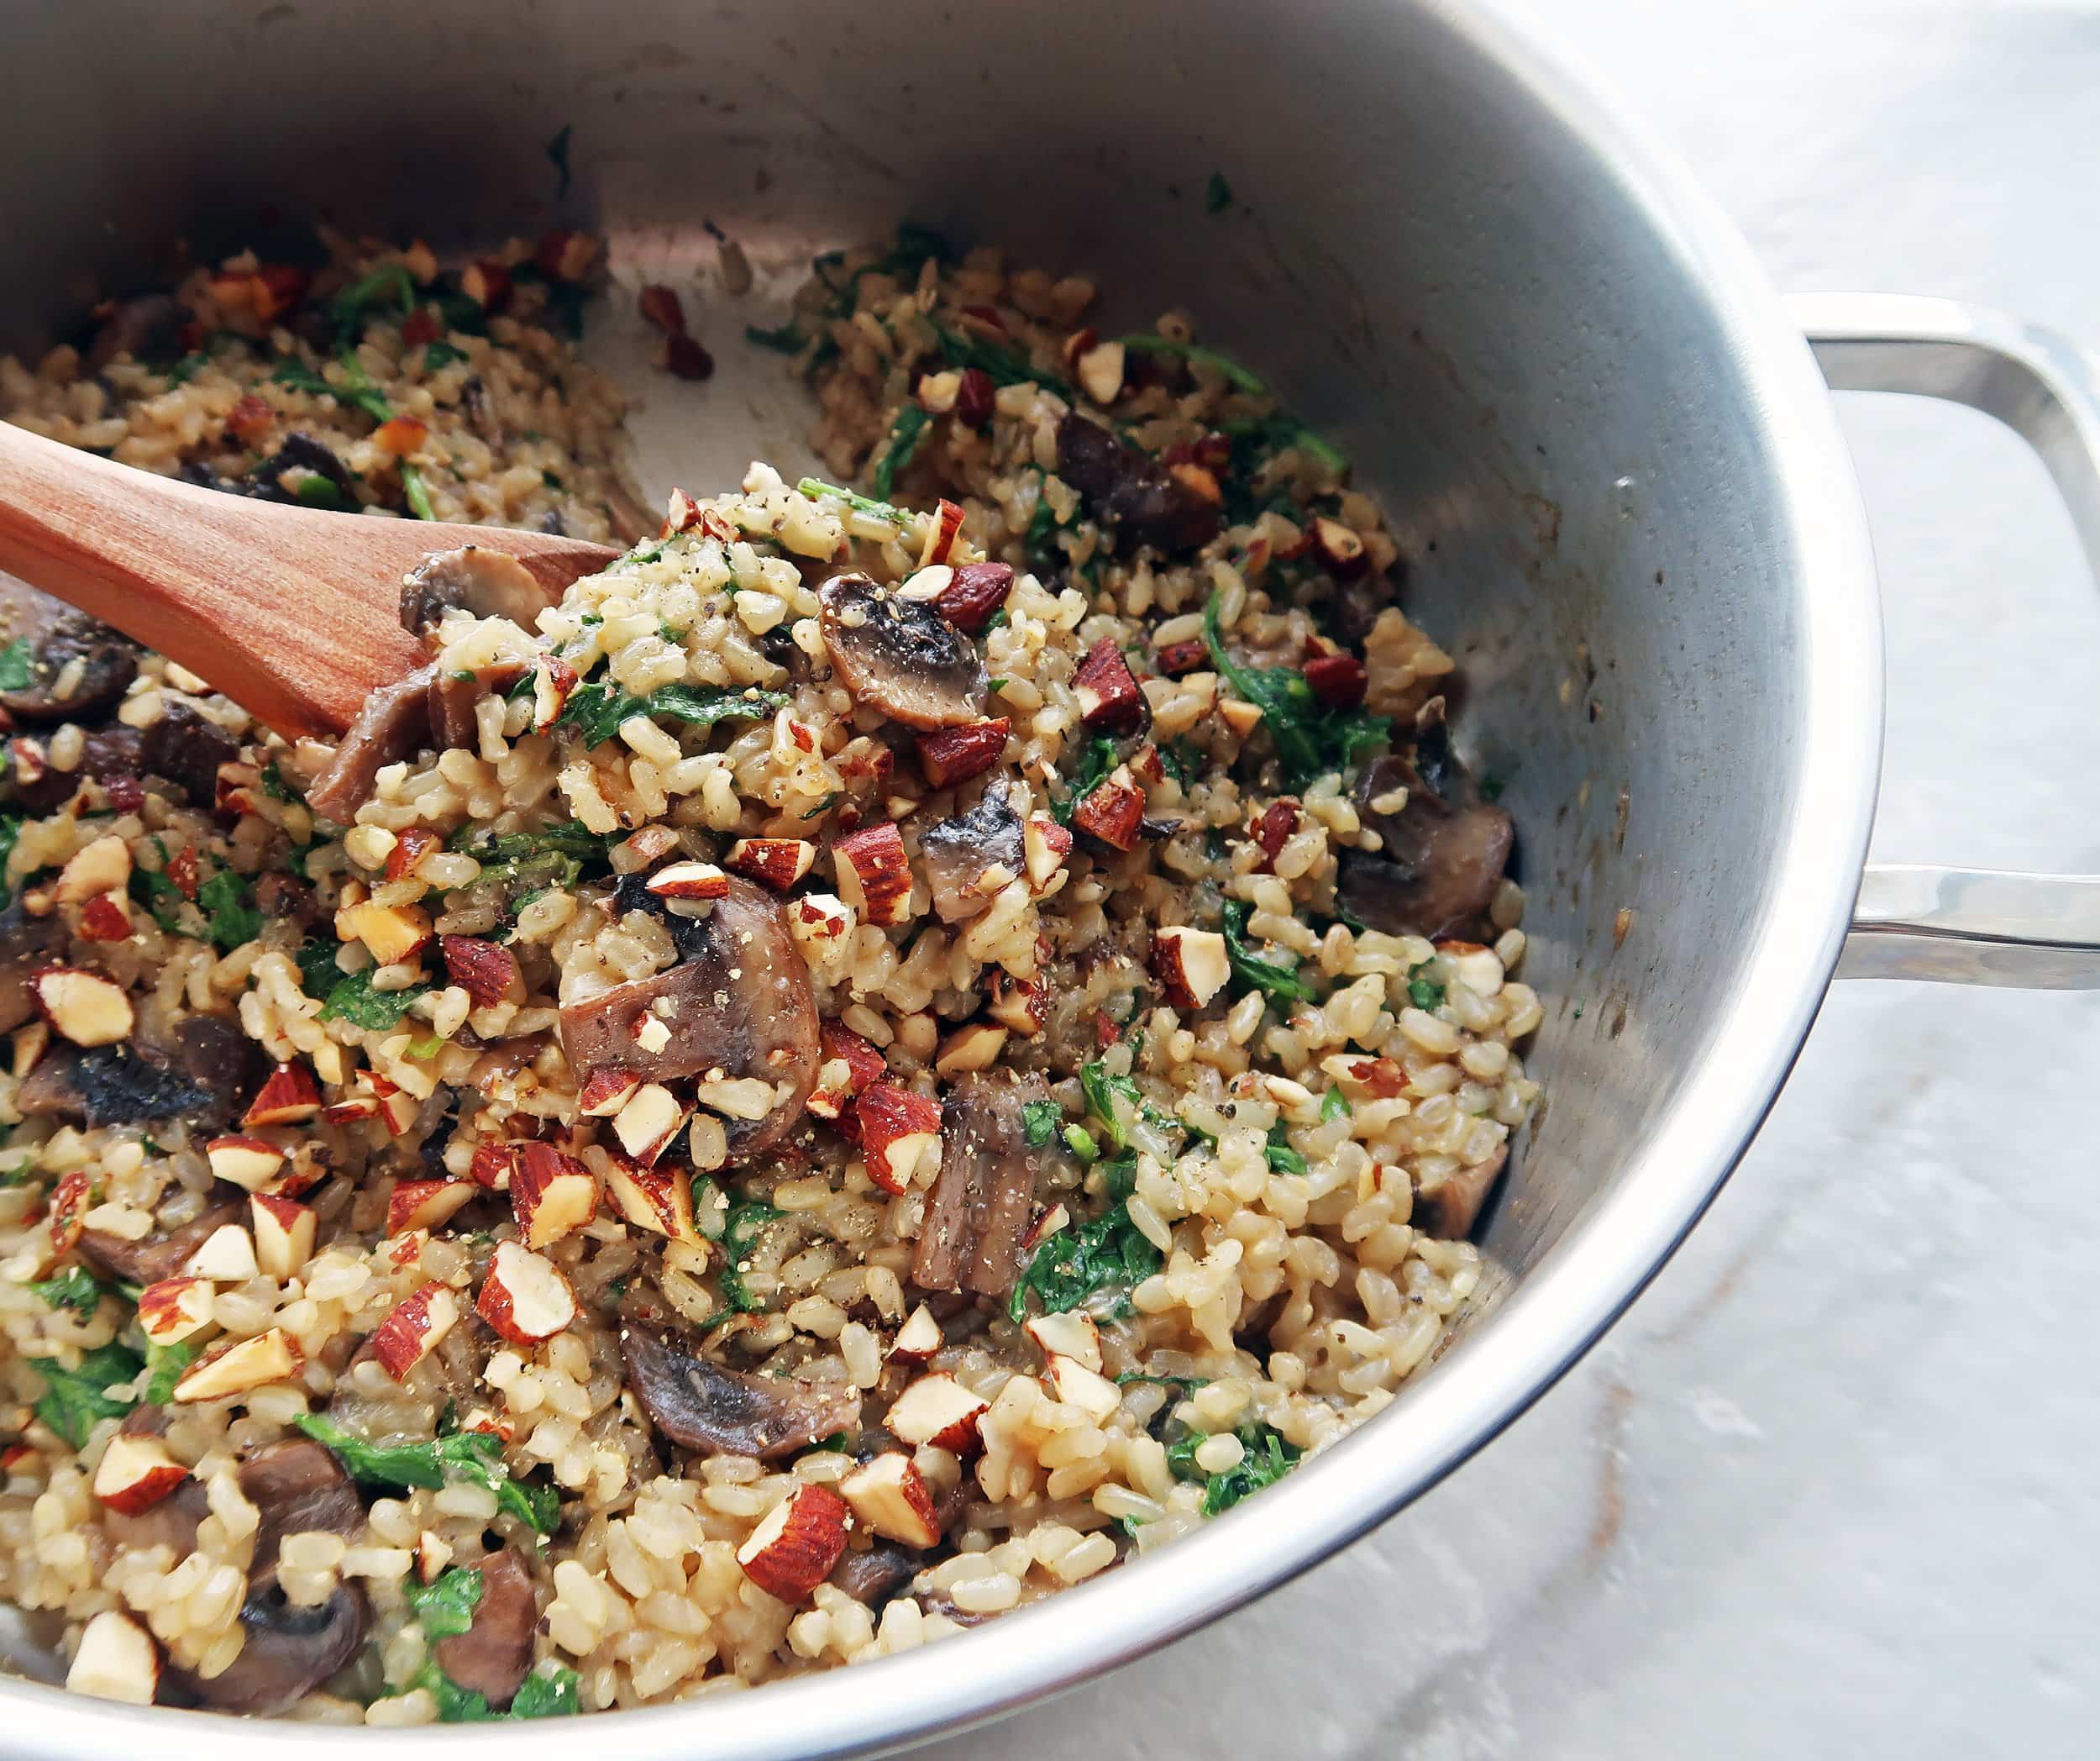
point(293, 612)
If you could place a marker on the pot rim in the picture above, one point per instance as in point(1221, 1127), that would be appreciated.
point(1552, 1316)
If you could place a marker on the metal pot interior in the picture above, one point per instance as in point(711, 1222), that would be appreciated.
point(1515, 337)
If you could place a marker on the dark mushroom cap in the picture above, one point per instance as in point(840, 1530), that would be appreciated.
point(1131, 492)
point(739, 1001)
point(900, 655)
point(297, 1487)
point(1449, 1209)
point(1442, 855)
point(288, 1652)
point(954, 852)
point(473, 579)
point(716, 1411)
point(981, 1203)
point(58, 636)
point(394, 723)
point(26, 942)
point(492, 1656)
point(149, 1261)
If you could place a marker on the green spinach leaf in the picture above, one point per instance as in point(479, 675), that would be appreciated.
point(1279, 983)
point(77, 1398)
point(1312, 740)
point(1097, 1263)
point(446, 1606)
point(596, 710)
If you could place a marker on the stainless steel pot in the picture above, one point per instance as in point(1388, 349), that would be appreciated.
point(1601, 437)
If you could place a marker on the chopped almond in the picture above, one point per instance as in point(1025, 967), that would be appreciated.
point(918, 1338)
point(1109, 701)
point(652, 1118)
point(1339, 547)
point(1017, 1004)
point(976, 591)
point(848, 1063)
point(284, 1234)
point(898, 1126)
point(71, 1199)
point(775, 862)
point(250, 1163)
point(1099, 371)
point(551, 1194)
point(1045, 845)
point(82, 1006)
point(432, 1555)
point(493, 1162)
point(102, 866)
point(1192, 964)
point(393, 932)
point(525, 1298)
point(226, 1256)
point(889, 1496)
point(116, 1660)
point(136, 1473)
point(607, 1090)
point(797, 1543)
point(289, 1097)
point(1074, 1384)
point(938, 1410)
point(487, 971)
point(974, 1046)
point(240, 1367)
point(1241, 717)
point(171, 1309)
point(426, 1204)
point(1113, 809)
point(953, 756)
point(398, 1109)
point(941, 532)
point(1338, 680)
point(1071, 1334)
point(413, 1329)
point(689, 881)
point(555, 681)
point(105, 918)
point(874, 874)
point(660, 1200)
point(410, 847)
point(738, 1097)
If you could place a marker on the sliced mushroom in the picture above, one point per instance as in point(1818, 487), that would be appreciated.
point(452, 701)
point(982, 1201)
point(739, 1001)
point(874, 1574)
point(1131, 492)
point(106, 755)
point(394, 724)
point(1449, 1209)
point(702, 1406)
point(1443, 853)
point(146, 327)
point(481, 582)
point(111, 1085)
point(297, 1487)
point(213, 1053)
point(187, 748)
point(900, 655)
point(288, 1651)
point(26, 942)
point(955, 853)
point(279, 894)
point(150, 1260)
point(492, 1656)
point(78, 668)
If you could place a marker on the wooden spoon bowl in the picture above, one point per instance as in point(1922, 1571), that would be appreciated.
point(293, 612)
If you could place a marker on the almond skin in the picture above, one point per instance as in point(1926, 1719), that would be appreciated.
point(977, 590)
point(1109, 701)
point(1338, 680)
point(896, 1124)
point(955, 755)
point(797, 1543)
point(487, 971)
point(412, 1328)
point(872, 864)
point(525, 1298)
point(1113, 810)
point(551, 1194)
point(775, 862)
point(289, 1097)
point(938, 1410)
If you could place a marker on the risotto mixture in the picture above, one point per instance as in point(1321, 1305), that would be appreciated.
point(890, 1052)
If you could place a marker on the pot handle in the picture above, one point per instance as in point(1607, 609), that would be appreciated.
point(1973, 926)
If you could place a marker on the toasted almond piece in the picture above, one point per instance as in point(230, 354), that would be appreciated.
point(1099, 371)
point(244, 1364)
point(32, 1040)
point(1045, 844)
point(918, 1338)
point(898, 1125)
point(1340, 547)
point(226, 1256)
point(284, 1234)
point(941, 532)
point(689, 881)
point(398, 1109)
point(412, 1328)
point(554, 680)
point(889, 1496)
point(1071, 1334)
point(551, 1194)
point(1192, 964)
point(657, 1199)
point(493, 1162)
point(289, 1097)
point(410, 845)
point(1113, 809)
point(651, 1119)
point(136, 1473)
point(116, 1660)
point(250, 1163)
point(775, 862)
point(1018, 1004)
point(951, 755)
point(796, 1542)
point(71, 1199)
point(817, 922)
point(736, 1097)
point(938, 1410)
point(1076, 1386)
point(171, 1309)
point(607, 1090)
point(393, 932)
point(874, 874)
point(1241, 717)
point(487, 971)
point(432, 1555)
point(350, 1109)
point(102, 866)
point(525, 1298)
point(426, 1204)
point(848, 1065)
point(1109, 701)
point(82, 1006)
point(105, 918)
point(974, 1046)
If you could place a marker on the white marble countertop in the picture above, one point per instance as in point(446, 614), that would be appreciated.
point(1832, 1486)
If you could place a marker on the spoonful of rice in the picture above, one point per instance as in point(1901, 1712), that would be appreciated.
point(301, 616)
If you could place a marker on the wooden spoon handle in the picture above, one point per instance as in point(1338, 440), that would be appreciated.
point(293, 611)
